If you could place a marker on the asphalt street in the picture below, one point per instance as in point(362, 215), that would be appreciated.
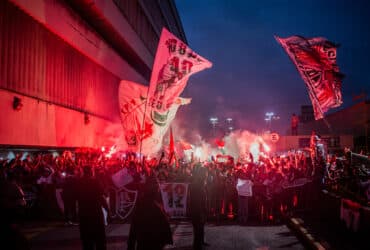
point(226, 237)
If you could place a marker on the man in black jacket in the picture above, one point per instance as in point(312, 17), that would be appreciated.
point(90, 203)
point(150, 228)
point(198, 205)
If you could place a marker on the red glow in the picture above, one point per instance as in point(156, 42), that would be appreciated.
point(295, 200)
point(112, 150)
point(220, 143)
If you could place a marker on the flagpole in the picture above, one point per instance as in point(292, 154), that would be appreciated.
point(171, 147)
point(143, 125)
point(328, 125)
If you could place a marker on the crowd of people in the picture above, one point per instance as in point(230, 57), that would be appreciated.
point(266, 188)
point(44, 173)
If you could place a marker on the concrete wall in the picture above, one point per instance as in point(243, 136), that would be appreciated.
point(41, 124)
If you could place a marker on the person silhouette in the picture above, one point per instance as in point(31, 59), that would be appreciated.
point(91, 200)
point(150, 228)
point(294, 121)
point(198, 205)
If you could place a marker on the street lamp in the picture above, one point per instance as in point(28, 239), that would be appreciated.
point(269, 117)
point(229, 125)
point(214, 122)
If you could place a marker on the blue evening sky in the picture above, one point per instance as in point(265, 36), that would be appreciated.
point(251, 73)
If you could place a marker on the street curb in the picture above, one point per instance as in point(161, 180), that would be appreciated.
point(296, 224)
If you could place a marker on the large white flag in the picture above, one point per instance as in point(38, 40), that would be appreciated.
point(174, 63)
point(137, 128)
point(146, 123)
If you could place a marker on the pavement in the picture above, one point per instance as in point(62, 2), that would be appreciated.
point(306, 236)
point(227, 236)
point(323, 233)
point(321, 228)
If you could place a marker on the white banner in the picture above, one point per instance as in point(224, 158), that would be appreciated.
point(122, 178)
point(174, 196)
point(244, 187)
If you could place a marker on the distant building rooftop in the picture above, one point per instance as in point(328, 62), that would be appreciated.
point(353, 120)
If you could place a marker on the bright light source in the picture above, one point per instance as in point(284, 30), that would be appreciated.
point(198, 152)
point(24, 156)
point(112, 150)
point(213, 120)
point(55, 154)
point(266, 147)
point(254, 150)
point(229, 119)
point(10, 155)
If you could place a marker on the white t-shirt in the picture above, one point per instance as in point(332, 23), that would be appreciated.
point(244, 187)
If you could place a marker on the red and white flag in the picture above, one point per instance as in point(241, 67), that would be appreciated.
point(315, 59)
point(137, 128)
point(132, 100)
point(174, 63)
point(145, 124)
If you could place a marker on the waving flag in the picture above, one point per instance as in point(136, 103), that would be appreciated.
point(147, 113)
point(174, 63)
point(137, 128)
point(132, 98)
point(315, 59)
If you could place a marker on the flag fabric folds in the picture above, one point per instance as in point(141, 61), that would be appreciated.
point(137, 128)
point(174, 63)
point(315, 59)
point(147, 113)
point(132, 98)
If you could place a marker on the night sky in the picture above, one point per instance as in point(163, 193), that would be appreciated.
point(251, 73)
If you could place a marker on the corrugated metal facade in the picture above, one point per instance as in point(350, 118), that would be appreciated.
point(36, 63)
point(139, 21)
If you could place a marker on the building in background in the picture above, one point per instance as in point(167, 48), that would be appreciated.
point(307, 114)
point(61, 63)
point(349, 127)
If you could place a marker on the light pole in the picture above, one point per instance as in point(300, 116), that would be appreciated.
point(229, 125)
point(269, 117)
point(214, 122)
